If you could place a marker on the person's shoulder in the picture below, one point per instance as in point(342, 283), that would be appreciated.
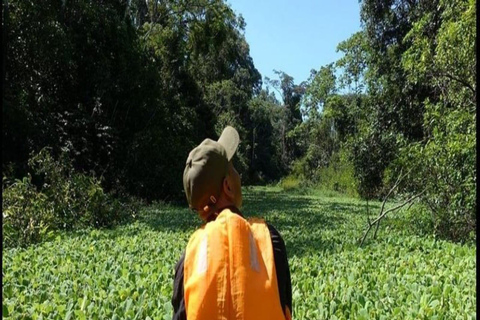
point(179, 265)
point(272, 229)
point(275, 235)
point(196, 234)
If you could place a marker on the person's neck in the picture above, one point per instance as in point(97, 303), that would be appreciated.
point(229, 206)
point(223, 202)
point(232, 208)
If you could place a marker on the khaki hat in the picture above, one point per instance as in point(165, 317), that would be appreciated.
point(206, 167)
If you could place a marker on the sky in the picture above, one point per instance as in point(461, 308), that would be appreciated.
point(296, 36)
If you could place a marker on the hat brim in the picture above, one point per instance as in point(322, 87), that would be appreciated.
point(229, 139)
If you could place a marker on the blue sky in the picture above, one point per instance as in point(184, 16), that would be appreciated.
point(296, 36)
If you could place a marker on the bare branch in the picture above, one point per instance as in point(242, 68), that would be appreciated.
point(411, 204)
point(383, 214)
point(398, 207)
point(396, 184)
point(400, 177)
point(376, 230)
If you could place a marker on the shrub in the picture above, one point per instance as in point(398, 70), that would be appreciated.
point(371, 154)
point(444, 168)
point(420, 219)
point(64, 199)
point(337, 176)
point(290, 183)
point(28, 215)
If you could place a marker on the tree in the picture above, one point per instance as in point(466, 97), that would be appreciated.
point(265, 156)
point(66, 80)
point(444, 162)
point(291, 94)
point(115, 84)
point(354, 62)
point(320, 86)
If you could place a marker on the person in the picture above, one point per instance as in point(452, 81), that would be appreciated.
point(232, 268)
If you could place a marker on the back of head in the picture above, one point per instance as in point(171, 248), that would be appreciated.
point(205, 169)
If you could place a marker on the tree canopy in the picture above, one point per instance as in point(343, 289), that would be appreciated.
point(126, 89)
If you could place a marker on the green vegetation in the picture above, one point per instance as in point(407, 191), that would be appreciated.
point(119, 92)
point(66, 200)
point(127, 272)
point(127, 88)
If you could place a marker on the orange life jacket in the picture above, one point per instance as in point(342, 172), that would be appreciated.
point(229, 271)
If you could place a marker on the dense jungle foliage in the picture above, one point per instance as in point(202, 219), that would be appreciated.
point(125, 89)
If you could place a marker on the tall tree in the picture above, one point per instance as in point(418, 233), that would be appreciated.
point(291, 95)
point(444, 162)
point(115, 84)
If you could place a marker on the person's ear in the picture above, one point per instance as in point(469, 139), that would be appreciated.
point(227, 189)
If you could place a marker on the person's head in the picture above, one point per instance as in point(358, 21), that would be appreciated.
point(210, 180)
